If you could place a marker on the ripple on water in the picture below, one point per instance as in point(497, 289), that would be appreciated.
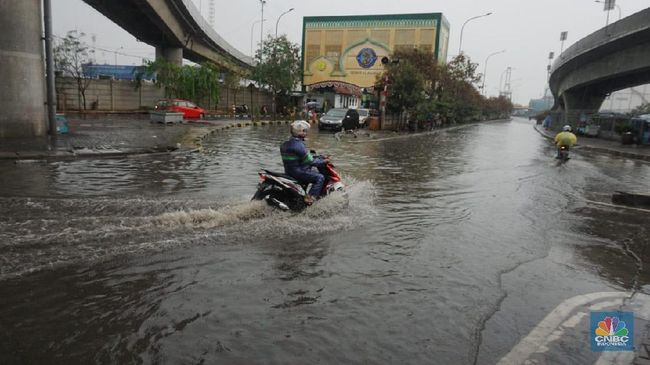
point(53, 232)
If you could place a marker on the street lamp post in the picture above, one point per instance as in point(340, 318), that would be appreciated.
point(501, 88)
point(252, 27)
point(485, 68)
point(278, 21)
point(617, 8)
point(563, 37)
point(548, 73)
point(460, 45)
point(548, 68)
point(262, 2)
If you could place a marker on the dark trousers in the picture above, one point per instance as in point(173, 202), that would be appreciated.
point(317, 180)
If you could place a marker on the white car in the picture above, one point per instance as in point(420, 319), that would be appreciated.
point(364, 114)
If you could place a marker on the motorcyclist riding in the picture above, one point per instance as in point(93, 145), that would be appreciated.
point(565, 138)
point(298, 161)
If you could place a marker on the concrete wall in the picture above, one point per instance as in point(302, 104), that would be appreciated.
point(120, 95)
point(108, 95)
point(22, 72)
point(243, 96)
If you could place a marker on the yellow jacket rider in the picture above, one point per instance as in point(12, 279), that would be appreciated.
point(565, 138)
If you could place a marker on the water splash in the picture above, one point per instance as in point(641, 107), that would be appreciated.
point(255, 219)
point(213, 217)
point(70, 231)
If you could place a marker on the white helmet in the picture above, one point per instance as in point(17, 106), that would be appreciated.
point(299, 128)
point(566, 128)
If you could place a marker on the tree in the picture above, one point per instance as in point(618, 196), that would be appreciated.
point(231, 81)
point(70, 54)
point(421, 85)
point(497, 107)
point(199, 83)
point(463, 70)
point(278, 66)
point(457, 88)
point(406, 87)
point(641, 109)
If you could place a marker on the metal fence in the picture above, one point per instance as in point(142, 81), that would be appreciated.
point(609, 127)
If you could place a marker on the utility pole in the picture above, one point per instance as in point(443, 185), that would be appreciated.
point(252, 28)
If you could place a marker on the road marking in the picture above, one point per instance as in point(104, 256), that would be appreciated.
point(604, 305)
point(609, 358)
point(540, 336)
point(617, 206)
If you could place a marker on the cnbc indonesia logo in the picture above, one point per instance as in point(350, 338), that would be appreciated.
point(612, 331)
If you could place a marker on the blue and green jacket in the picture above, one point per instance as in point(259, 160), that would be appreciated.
point(296, 157)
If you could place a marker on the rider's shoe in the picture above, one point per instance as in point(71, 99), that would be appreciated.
point(309, 200)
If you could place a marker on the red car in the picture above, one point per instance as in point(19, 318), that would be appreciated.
point(189, 109)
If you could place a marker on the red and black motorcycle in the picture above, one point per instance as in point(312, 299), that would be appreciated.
point(286, 193)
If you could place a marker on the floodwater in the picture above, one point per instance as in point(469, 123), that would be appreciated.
point(448, 248)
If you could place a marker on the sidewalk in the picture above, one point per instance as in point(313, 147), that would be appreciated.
point(102, 138)
point(638, 152)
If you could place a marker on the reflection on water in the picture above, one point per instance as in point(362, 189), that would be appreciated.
point(440, 242)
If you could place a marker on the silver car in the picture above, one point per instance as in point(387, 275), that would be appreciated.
point(333, 119)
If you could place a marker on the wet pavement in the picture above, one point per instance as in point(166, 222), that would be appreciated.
point(598, 145)
point(469, 245)
point(94, 138)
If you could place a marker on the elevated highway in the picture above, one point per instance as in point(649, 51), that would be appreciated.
point(177, 30)
point(175, 27)
point(613, 58)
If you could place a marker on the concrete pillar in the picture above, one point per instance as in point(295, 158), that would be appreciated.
point(170, 54)
point(22, 70)
point(580, 101)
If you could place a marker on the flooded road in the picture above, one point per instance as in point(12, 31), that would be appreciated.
point(448, 248)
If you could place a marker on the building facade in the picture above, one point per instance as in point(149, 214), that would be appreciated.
point(342, 54)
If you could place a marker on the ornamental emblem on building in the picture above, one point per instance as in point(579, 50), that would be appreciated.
point(366, 57)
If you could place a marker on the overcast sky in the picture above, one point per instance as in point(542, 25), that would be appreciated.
point(527, 29)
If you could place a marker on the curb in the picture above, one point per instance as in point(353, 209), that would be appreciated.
point(102, 155)
point(398, 135)
point(191, 142)
point(631, 155)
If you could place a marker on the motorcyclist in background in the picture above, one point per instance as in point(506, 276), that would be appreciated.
point(298, 161)
point(565, 138)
